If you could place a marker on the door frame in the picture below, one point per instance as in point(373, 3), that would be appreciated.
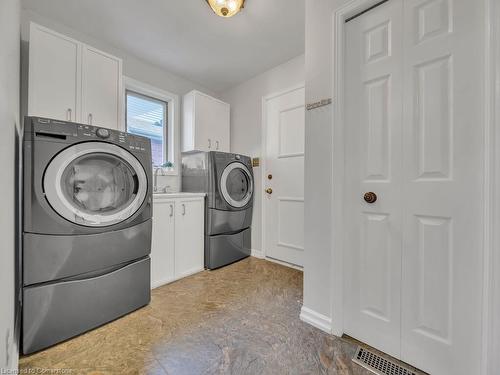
point(491, 187)
point(262, 252)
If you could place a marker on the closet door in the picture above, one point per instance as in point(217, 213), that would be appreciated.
point(373, 116)
point(101, 89)
point(443, 146)
point(54, 71)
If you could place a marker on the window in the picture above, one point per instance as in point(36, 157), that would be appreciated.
point(147, 116)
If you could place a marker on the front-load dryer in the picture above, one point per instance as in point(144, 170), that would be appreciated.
point(228, 181)
point(87, 209)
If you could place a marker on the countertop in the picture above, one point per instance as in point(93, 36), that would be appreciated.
point(177, 195)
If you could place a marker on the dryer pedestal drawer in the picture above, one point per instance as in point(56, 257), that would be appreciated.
point(50, 257)
point(224, 249)
point(219, 221)
point(54, 312)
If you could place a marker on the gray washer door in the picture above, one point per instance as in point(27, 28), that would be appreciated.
point(95, 184)
point(236, 185)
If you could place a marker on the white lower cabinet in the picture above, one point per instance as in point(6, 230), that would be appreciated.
point(188, 241)
point(177, 248)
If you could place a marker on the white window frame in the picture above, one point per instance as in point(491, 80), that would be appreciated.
point(173, 121)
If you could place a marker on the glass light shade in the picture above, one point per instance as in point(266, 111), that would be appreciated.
point(226, 8)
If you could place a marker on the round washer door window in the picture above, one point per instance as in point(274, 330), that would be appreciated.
point(236, 185)
point(95, 184)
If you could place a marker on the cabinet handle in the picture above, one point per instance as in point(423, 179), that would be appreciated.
point(68, 114)
point(90, 119)
point(171, 210)
point(183, 209)
point(216, 145)
point(209, 143)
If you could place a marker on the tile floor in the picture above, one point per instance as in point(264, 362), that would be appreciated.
point(241, 319)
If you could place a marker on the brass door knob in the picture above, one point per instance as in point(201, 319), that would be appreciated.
point(269, 191)
point(370, 197)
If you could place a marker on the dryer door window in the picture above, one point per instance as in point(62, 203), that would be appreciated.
point(236, 185)
point(95, 184)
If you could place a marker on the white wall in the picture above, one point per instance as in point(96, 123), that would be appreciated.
point(246, 121)
point(9, 120)
point(133, 67)
point(318, 273)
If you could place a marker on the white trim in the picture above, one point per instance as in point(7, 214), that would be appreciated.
point(162, 282)
point(173, 113)
point(491, 298)
point(265, 99)
point(257, 254)
point(189, 273)
point(316, 319)
point(286, 264)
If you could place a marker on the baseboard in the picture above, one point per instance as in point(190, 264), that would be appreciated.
point(286, 264)
point(316, 319)
point(162, 282)
point(257, 254)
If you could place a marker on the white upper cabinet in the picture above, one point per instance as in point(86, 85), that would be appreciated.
point(72, 81)
point(205, 123)
point(54, 68)
point(101, 88)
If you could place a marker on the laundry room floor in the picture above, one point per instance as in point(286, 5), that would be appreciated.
point(240, 319)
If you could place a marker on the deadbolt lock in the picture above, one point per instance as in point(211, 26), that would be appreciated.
point(269, 191)
point(269, 176)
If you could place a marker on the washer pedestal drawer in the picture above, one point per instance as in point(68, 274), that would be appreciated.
point(54, 312)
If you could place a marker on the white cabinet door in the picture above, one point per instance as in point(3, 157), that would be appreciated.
point(221, 125)
point(163, 243)
point(101, 88)
point(54, 69)
point(189, 241)
point(205, 123)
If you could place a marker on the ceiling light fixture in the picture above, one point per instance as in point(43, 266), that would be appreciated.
point(226, 8)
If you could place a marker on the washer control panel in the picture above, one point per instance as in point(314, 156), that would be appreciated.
point(61, 131)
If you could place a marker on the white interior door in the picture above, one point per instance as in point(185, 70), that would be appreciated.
point(414, 136)
point(373, 164)
point(284, 196)
point(443, 164)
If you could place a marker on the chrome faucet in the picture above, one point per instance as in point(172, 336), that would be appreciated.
point(155, 178)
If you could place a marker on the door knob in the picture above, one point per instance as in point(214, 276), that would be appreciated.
point(370, 197)
point(269, 191)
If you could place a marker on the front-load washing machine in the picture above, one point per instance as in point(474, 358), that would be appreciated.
point(86, 228)
point(227, 179)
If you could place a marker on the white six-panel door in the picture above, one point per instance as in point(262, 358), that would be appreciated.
point(284, 177)
point(373, 164)
point(414, 136)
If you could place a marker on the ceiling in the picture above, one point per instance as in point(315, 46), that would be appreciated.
point(186, 38)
